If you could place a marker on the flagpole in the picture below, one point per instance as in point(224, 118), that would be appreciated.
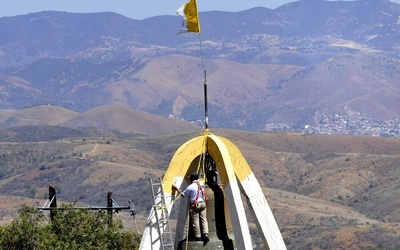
point(205, 85)
point(191, 17)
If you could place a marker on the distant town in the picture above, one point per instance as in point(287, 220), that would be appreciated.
point(349, 123)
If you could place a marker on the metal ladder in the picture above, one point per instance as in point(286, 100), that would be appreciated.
point(162, 217)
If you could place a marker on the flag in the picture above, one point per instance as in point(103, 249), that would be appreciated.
point(190, 16)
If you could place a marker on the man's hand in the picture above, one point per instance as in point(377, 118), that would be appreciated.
point(177, 189)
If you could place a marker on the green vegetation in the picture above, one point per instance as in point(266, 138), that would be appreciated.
point(71, 229)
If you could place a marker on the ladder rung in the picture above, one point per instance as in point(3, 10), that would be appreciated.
point(162, 219)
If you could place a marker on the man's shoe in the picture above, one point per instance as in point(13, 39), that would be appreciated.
point(206, 239)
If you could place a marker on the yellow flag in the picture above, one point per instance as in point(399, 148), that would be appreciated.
point(191, 17)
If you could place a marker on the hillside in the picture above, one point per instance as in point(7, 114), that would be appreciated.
point(360, 82)
point(293, 68)
point(39, 115)
point(325, 191)
point(53, 122)
point(127, 120)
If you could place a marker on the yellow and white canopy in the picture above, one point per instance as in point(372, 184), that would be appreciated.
point(236, 178)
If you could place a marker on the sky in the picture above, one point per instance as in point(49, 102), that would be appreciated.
point(136, 9)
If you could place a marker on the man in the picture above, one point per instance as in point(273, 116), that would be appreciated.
point(198, 210)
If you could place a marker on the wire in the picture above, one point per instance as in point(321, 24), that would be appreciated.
point(204, 84)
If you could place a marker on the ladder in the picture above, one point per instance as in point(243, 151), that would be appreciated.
point(162, 216)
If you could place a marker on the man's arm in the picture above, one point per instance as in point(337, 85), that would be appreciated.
point(177, 190)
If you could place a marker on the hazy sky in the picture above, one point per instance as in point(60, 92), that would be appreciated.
point(136, 9)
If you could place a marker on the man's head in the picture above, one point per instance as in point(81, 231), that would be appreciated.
point(194, 176)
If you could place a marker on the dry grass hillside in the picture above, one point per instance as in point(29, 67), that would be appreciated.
point(326, 192)
point(127, 120)
point(362, 82)
point(114, 117)
point(38, 115)
point(179, 83)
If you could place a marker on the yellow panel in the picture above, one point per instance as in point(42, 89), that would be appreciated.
point(181, 162)
point(240, 165)
point(218, 158)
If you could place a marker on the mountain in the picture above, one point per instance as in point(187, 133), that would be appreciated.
point(364, 82)
point(292, 68)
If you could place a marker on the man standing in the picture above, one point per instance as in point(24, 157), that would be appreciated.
point(198, 210)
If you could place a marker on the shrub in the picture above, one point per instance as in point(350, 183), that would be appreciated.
point(70, 229)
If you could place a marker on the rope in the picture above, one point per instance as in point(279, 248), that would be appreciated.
point(201, 54)
point(201, 163)
point(187, 234)
point(136, 224)
point(205, 84)
point(165, 206)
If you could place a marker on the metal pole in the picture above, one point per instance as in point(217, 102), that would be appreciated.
point(205, 85)
point(109, 207)
point(53, 199)
point(205, 100)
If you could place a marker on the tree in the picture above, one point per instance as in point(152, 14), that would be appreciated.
point(70, 229)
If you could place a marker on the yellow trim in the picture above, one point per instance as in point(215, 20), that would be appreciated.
point(240, 165)
point(181, 162)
